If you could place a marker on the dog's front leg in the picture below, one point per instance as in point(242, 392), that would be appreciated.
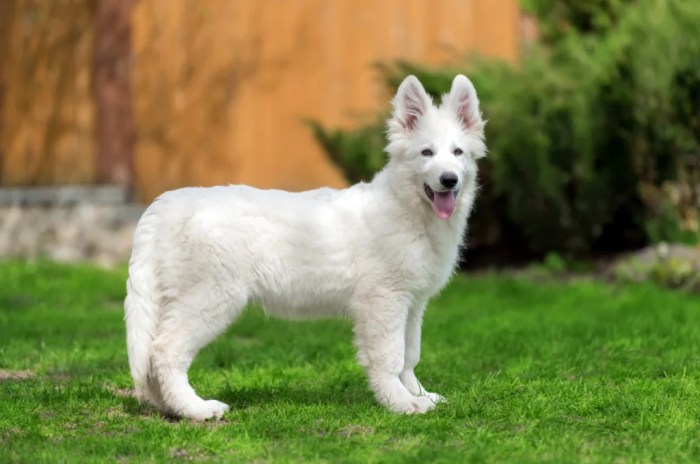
point(380, 339)
point(413, 341)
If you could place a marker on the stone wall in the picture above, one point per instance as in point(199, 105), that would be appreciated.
point(69, 224)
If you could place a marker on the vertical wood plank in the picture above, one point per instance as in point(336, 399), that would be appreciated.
point(112, 74)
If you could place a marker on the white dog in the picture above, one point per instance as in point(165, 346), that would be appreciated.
point(374, 252)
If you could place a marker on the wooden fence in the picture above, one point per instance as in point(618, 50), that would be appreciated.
point(217, 89)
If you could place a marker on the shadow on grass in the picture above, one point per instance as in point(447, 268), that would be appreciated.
point(319, 395)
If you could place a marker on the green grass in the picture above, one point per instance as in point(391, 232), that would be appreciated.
point(534, 372)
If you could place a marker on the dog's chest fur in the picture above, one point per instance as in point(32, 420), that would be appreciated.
point(414, 250)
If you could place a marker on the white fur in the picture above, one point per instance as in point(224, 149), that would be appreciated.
point(374, 252)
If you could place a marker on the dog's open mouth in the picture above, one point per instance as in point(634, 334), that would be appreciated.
point(443, 202)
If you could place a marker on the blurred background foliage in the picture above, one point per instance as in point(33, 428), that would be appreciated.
point(557, 18)
point(594, 137)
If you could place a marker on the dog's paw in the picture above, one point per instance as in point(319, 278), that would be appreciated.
point(210, 409)
point(435, 398)
point(218, 408)
point(416, 405)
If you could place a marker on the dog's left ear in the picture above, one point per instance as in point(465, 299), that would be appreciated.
point(462, 100)
point(464, 104)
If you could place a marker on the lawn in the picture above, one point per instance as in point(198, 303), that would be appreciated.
point(533, 371)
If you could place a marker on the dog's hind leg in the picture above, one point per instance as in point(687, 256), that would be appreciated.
point(188, 324)
point(412, 355)
point(380, 331)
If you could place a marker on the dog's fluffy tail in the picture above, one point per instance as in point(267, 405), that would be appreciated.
point(141, 307)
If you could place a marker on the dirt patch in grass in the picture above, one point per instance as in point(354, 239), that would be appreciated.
point(352, 430)
point(9, 375)
point(181, 454)
point(316, 429)
point(120, 392)
point(124, 392)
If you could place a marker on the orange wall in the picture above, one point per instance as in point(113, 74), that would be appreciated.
point(220, 87)
point(47, 115)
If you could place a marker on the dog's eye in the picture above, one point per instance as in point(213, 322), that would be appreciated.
point(427, 152)
point(458, 151)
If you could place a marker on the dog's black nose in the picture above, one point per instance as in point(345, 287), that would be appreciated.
point(448, 179)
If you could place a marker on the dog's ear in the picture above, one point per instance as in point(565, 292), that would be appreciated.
point(462, 100)
point(410, 103)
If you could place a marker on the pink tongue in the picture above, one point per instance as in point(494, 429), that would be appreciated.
point(444, 204)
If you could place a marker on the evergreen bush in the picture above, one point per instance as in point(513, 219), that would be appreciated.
point(594, 137)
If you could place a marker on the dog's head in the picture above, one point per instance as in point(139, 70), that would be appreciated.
point(437, 144)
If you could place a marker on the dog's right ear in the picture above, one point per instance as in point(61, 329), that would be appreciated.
point(410, 103)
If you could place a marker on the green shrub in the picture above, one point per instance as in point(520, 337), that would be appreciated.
point(359, 153)
point(586, 136)
point(558, 18)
